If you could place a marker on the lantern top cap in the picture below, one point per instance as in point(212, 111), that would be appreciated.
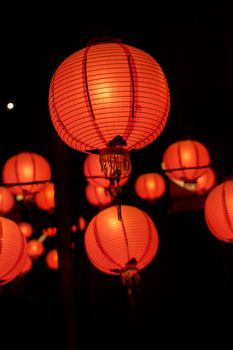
point(103, 39)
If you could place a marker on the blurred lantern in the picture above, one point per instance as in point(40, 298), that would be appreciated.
point(206, 181)
point(23, 168)
point(35, 248)
point(12, 250)
point(82, 223)
point(121, 247)
point(52, 259)
point(44, 199)
point(95, 175)
point(218, 211)
point(203, 183)
point(49, 231)
point(97, 195)
point(150, 186)
point(26, 229)
point(109, 98)
point(186, 161)
point(27, 265)
point(7, 200)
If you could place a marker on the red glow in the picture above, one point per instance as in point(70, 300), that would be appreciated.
point(111, 243)
point(26, 167)
point(107, 90)
point(12, 250)
point(219, 211)
point(150, 186)
point(186, 154)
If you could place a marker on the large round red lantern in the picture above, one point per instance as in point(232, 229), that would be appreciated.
point(95, 175)
point(12, 250)
point(185, 160)
point(44, 198)
point(108, 98)
point(26, 167)
point(218, 211)
point(121, 247)
point(150, 186)
point(7, 200)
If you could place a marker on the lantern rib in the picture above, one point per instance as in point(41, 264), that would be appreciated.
point(148, 241)
point(98, 241)
point(126, 238)
point(226, 214)
point(20, 255)
point(58, 120)
point(87, 94)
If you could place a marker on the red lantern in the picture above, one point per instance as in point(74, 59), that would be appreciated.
point(201, 185)
point(44, 199)
point(150, 186)
point(52, 259)
point(26, 167)
point(191, 157)
point(35, 248)
point(7, 200)
point(206, 181)
point(218, 211)
point(27, 265)
point(12, 250)
point(95, 175)
point(97, 195)
point(26, 229)
point(109, 98)
point(121, 246)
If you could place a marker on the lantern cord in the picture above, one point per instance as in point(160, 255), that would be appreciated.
point(25, 183)
point(186, 168)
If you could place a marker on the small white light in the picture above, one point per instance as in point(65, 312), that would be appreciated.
point(10, 105)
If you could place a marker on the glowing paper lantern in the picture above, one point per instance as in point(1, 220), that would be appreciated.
point(26, 229)
point(190, 156)
point(109, 98)
point(97, 195)
point(26, 167)
point(95, 175)
point(35, 248)
point(44, 199)
point(52, 259)
point(150, 186)
point(27, 265)
point(218, 211)
point(12, 250)
point(205, 182)
point(121, 247)
point(7, 200)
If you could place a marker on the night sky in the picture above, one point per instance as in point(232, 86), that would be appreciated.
point(187, 290)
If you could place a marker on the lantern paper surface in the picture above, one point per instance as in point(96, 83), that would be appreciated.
point(95, 176)
point(150, 186)
point(52, 259)
point(44, 198)
point(106, 90)
point(111, 243)
point(12, 250)
point(7, 200)
point(26, 229)
point(97, 195)
point(35, 248)
point(218, 211)
point(185, 154)
point(26, 167)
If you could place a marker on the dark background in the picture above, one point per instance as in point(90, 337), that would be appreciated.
point(186, 293)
